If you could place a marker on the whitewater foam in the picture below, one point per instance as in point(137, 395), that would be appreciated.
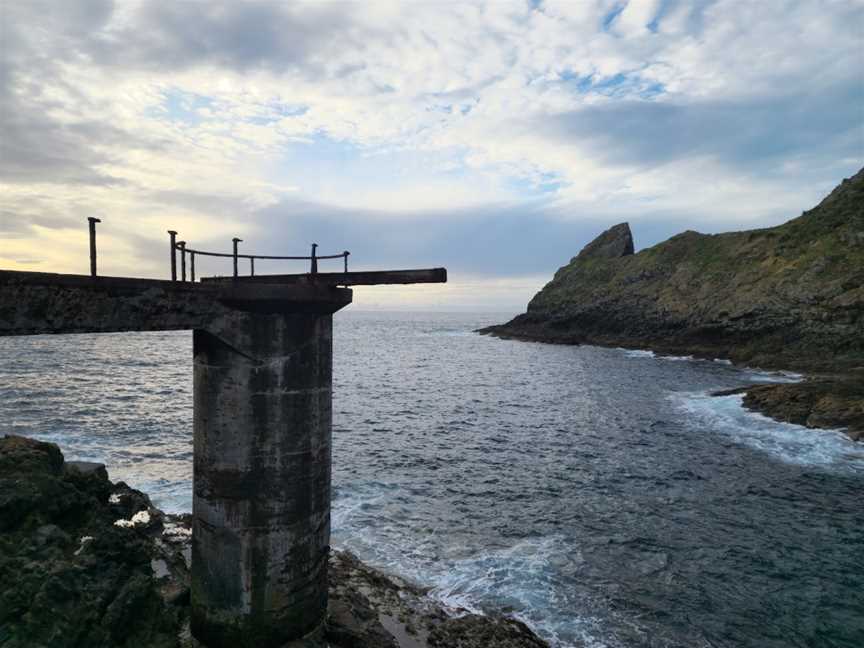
point(637, 353)
point(647, 353)
point(524, 578)
point(794, 444)
point(763, 375)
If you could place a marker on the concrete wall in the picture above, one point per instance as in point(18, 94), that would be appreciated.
point(39, 302)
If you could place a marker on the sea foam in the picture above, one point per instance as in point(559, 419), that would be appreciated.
point(794, 444)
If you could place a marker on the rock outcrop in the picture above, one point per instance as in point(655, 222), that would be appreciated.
point(614, 243)
point(85, 563)
point(790, 296)
point(77, 557)
point(818, 402)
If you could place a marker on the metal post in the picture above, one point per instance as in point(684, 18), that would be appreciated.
point(173, 235)
point(182, 246)
point(346, 253)
point(192, 260)
point(93, 222)
point(236, 241)
point(252, 265)
point(314, 269)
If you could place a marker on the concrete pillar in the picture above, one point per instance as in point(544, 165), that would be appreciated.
point(261, 530)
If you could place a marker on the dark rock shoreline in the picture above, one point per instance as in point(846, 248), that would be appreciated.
point(85, 562)
point(817, 402)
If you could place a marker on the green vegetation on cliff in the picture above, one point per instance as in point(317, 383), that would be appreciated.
point(786, 296)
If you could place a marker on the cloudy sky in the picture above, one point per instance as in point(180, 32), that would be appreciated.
point(491, 138)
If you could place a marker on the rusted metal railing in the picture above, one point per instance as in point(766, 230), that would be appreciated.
point(92, 221)
point(173, 236)
point(235, 256)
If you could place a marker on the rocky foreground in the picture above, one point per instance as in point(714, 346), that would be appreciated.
point(88, 563)
point(785, 297)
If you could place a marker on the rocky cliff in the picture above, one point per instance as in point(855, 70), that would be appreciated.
point(789, 296)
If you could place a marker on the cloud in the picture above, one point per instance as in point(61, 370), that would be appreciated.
point(496, 138)
point(171, 36)
point(758, 136)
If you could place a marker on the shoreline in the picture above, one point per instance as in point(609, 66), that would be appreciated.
point(822, 400)
point(91, 562)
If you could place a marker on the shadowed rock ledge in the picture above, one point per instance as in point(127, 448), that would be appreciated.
point(86, 562)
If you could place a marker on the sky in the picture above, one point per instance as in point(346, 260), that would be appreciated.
point(492, 138)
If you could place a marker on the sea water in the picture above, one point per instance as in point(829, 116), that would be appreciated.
point(600, 495)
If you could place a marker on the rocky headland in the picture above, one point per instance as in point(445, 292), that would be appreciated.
point(85, 562)
point(785, 297)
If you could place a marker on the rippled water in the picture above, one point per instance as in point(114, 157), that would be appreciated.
point(598, 494)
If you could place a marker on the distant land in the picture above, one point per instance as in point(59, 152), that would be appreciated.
point(785, 297)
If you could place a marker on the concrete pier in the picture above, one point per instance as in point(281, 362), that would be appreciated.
point(261, 529)
point(262, 426)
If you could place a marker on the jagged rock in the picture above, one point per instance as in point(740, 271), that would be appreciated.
point(69, 577)
point(821, 402)
point(87, 469)
point(614, 243)
point(465, 632)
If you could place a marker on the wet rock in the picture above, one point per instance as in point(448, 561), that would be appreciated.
point(86, 469)
point(819, 402)
point(353, 623)
point(378, 606)
point(731, 392)
point(473, 631)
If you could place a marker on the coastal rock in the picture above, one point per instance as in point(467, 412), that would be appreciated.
point(84, 562)
point(70, 576)
point(820, 402)
point(384, 611)
point(466, 632)
point(614, 243)
point(789, 296)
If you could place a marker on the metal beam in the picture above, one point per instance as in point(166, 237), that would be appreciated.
point(370, 278)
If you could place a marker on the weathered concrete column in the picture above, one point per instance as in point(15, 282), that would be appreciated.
point(261, 530)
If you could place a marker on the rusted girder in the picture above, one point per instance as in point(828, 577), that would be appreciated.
point(354, 278)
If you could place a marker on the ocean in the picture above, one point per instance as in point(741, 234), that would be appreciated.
point(600, 495)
